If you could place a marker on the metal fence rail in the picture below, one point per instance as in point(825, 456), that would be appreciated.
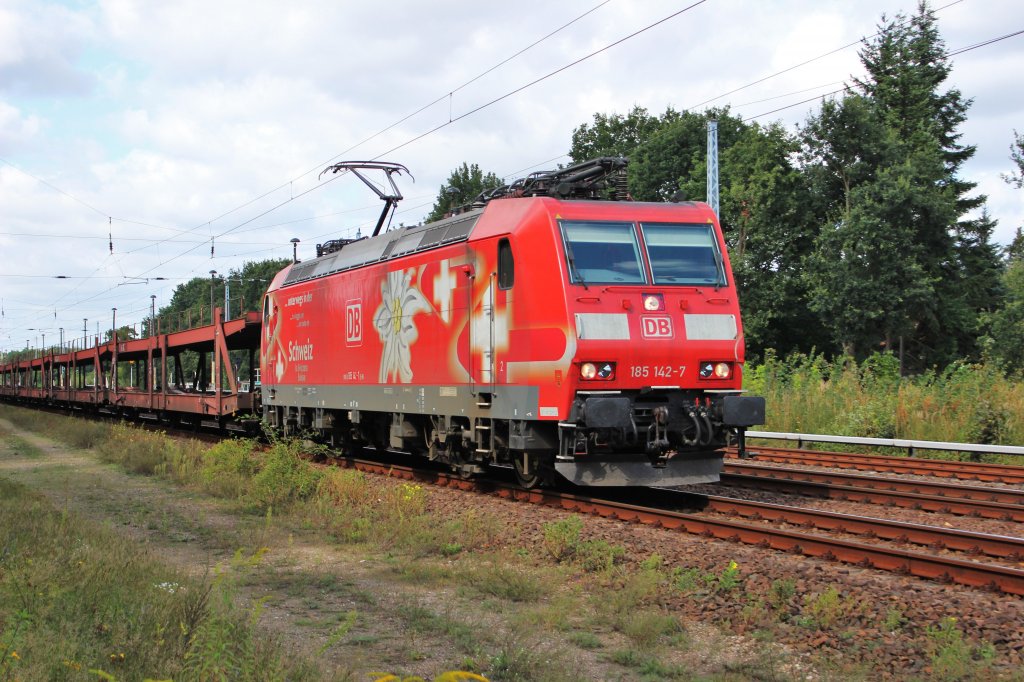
point(909, 445)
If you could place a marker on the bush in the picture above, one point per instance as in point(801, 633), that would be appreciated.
point(282, 477)
point(227, 468)
point(965, 402)
point(137, 450)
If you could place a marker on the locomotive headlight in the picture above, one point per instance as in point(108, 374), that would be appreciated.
point(715, 370)
point(600, 371)
point(653, 302)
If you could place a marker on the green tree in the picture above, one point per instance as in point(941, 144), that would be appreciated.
point(615, 134)
point(764, 204)
point(124, 333)
point(1017, 156)
point(463, 185)
point(190, 302)
point(770, 231)
point(896, 149)
point(1006, 325)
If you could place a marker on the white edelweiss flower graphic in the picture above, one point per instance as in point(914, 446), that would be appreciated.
point(393, 322)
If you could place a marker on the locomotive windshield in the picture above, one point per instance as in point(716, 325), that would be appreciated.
point(683, 254)
point(605, 253)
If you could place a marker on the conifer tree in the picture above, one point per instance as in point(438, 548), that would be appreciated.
point(887, 162)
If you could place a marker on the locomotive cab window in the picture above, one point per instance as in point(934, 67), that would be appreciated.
point(506, 265)
point(605, 253)
point(683, 254)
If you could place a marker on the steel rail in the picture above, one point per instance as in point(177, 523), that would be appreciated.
point(910, 445)
point(1006, 496)
point(930, 503)
point(1002, 546)
point(948, 569)
point(994, 473)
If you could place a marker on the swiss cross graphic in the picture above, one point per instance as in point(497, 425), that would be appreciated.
point(444, 283)
point(656, 327)
point(354, 322)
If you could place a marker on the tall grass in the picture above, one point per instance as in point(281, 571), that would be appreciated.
point(79, 602)
point(74, 431)
point(259, 478)
point(966, 403)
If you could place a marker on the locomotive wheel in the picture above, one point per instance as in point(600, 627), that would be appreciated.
point(528, 473)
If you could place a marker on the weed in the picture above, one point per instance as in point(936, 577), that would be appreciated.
point(475, 530)
point(894, 620)
point(951, 656)
point(729, 579)
point(687, 579)
point(562, 537)
point(521, 660)
point(563, 543)
point(283, 478)
point(586, 640)
point(646, 627)
point(782, 590)
point(652, 563)
point(647, 666)
point(227, 467)
point(755, 613)
point(556, 612)
point(826, 608)
point(508, 582)
point(137, 450)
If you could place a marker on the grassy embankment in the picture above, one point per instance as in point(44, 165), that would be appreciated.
point(78, 601)
point(59, 615)
point(962, 404)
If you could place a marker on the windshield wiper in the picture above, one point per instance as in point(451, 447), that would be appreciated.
point(572, 265)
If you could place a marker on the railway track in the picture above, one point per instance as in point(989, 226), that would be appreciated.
point(935, 537)
point(907, 500)
point(979, 471)
point(888, 483)
point(985, 502)
point(931, 566)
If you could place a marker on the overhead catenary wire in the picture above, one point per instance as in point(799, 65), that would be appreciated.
point(422, 135)
point(847, 46)
point(446, 95)
point(846, 88)
point(456, 118)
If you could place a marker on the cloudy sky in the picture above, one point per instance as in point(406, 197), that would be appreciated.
point(159, 127)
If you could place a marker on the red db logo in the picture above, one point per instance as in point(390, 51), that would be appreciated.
point(656, 327)
point(354, 323)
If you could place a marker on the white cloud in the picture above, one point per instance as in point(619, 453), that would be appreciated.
point(175, 113)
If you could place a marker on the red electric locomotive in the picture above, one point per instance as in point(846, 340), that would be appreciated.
point(555, 326)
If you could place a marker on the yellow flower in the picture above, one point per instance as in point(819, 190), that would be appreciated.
point(733, 565)
point(15, 656)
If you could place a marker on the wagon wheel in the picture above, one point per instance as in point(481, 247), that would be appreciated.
point(528, 470)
